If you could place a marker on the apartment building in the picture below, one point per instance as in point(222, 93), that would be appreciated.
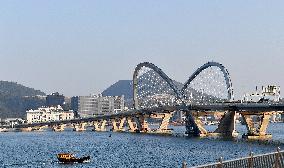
point(99, 105)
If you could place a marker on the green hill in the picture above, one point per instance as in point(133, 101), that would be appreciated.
point(121, 87)
point(15, 99)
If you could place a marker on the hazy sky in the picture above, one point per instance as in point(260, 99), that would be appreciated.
point(82, 47)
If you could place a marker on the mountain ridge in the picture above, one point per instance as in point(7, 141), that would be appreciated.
point(16, 98)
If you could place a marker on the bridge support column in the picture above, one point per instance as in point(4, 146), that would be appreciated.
point(132, 125)
point(163, 128)
point(100, 126)
point(58, 128)
point(79, 127)
point(118, 125)
point(39, 128)
point(27, 129)
point(144, 124)
point(121, 124)
point(114, 125)
point(202, 131)
point(141, 123)
point(227, 126)
point(191, 126)
point(257, 126)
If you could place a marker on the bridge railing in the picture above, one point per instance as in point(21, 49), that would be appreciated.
point(269, 160)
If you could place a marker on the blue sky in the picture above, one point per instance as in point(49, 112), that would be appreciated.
point(82, 47)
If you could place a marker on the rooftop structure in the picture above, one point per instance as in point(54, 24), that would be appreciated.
point(54, 99)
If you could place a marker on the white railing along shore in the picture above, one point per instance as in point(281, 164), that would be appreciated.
point(268, 160)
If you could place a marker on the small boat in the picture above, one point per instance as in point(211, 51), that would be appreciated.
point(70, 158)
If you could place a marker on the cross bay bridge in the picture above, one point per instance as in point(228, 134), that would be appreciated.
point(208, 90)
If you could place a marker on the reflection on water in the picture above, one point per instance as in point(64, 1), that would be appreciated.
point(39, 149)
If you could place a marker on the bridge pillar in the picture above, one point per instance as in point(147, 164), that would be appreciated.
point(202, 131)
point(118, 124)
point(227, 126)
point(191, 126)
point(121, 124)
point(225, 129)
point(132, 125)
point(163, 128)
point(114, 125)
point(144, 124)
point(141, 123)
point(256, 127)
point(40, 128)
point(100, 126)
point(58, 128)
point(79, 127)
point(27, 129)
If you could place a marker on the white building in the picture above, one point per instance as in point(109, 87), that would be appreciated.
point(100, 105)
point(268, 93)
point(45, 114)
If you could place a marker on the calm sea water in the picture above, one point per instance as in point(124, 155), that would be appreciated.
point(39, 149)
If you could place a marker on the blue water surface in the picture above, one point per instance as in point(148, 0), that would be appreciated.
point(39, 149)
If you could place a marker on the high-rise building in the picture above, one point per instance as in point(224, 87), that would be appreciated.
point(75, 105)
point(100, 105)
point(54, 99)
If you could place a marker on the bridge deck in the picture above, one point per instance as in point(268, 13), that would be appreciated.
point(253, 108)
